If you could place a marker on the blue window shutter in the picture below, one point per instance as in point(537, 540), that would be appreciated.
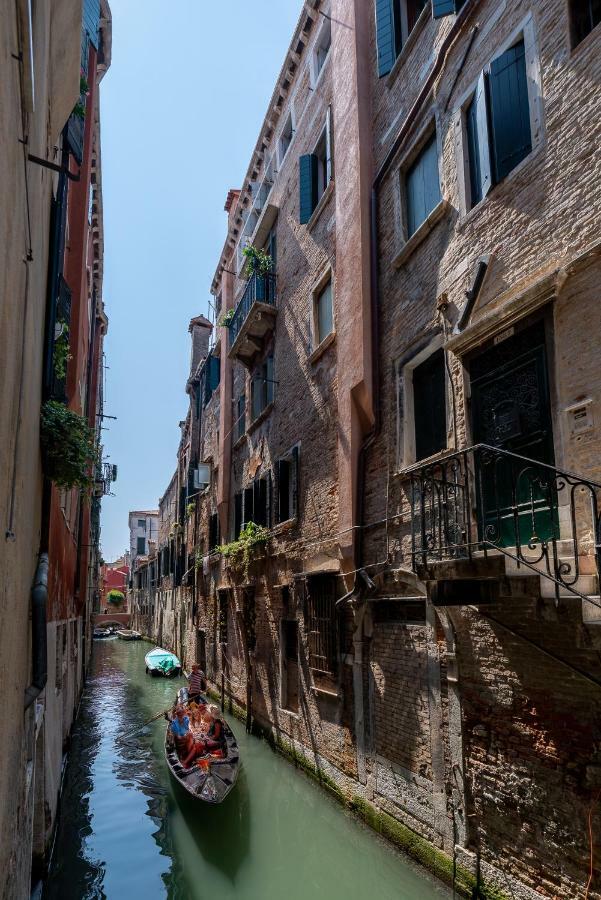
point(308, 186)
point(509, 110)
point(385, 36)
point(422, 187)
point(215, 372)
point(478, 143)
point(91, 19)
point(442, 8)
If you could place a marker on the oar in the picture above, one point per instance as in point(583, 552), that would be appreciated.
point(144, 724)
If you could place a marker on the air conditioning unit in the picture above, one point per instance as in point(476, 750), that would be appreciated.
point(202, 477)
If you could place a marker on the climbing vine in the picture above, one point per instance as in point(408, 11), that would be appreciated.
point(68, 445)
point(240, 551)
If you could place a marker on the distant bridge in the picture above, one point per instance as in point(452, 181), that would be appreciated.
point(102, 620)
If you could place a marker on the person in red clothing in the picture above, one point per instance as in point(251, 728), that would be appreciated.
point(197, 683)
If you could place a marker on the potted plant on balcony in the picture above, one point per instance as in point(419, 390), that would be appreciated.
point(258, 262)
point(68, 446)
point(239, 552)
point(226, 318)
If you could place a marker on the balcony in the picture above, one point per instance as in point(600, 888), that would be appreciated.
point(254, 318)
point(488, 524)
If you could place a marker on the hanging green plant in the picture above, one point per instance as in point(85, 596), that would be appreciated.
point(79, 110)
point(68, 446)
point(83, 84)
point(257, 261)
point(115, 596)
point(190, 509)
point(61, 354)
point(240, 552)
point(225, 319)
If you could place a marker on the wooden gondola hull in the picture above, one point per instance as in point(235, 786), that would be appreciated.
point(210, 783)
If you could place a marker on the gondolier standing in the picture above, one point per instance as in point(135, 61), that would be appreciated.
point(197, 683)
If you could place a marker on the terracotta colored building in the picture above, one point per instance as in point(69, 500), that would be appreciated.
point(113, 577)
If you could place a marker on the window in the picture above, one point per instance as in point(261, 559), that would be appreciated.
point(257, 502)
point(315, 172)
point(422, 187)
point(285, 137)
point(141, 546)
point(497, 122)
point(223, 616)
point(287, 487)
point(395, 20)
point(323, 319)
point(321, 624)
point(213, 531)
point(429, 406)
point(142, 525)
point(212, 376)
point(322, 48)
point(261, 388)
point(240, 424)
point(584, 16)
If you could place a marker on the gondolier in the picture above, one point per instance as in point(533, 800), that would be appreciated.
point(197, 683)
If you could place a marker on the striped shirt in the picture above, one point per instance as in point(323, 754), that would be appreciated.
point(196, 681)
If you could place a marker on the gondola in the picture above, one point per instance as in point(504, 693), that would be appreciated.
point(211, 778)
point(162, 662)
point(126, 634)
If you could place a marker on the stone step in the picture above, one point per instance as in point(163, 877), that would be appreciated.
point(591, 610)
point(585, 584)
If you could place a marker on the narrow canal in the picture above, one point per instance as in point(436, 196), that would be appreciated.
point(125, 831)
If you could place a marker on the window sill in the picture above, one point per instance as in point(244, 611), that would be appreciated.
point(323, 201)
point(239, 441)
point(260, 418)
point(283, 527)
point(497, 189)
point(421, 234)
point(408, 468)
point(424, 16)
point(321, 348)
point(325, 692)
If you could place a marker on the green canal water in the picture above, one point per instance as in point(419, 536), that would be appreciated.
point(126, 831)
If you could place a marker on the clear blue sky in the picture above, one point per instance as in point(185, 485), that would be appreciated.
point(181, 108)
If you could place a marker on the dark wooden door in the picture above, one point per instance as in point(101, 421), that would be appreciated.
point(511, 411)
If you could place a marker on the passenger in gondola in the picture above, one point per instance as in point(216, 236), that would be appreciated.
point(197, 683)
point(213, 743)
point(182, 734)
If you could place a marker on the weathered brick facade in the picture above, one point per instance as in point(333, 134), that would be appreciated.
point(457, 691)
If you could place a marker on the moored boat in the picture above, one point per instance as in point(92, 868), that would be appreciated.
point(126, 634)
point(100, 633)
point(212, 777)
point(162, 662)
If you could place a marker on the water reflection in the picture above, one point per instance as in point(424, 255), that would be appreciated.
point(127, 830)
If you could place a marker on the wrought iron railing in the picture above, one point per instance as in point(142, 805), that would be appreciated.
point(259, 289)
point(487, 499)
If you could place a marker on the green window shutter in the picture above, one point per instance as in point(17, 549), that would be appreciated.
point(283, 472)
point(237, 515)
point(478, 143)
point(509, 110)
point(269, 392)
point(385, 36)
point(442, 8)
point(249, 507)
point(308, 186)
point(422, 184)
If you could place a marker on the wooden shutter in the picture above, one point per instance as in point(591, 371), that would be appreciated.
point(270, 384)
point(260, 501)
point(294, 477)
point(442, 8)
point(422, 184)
point(237, 515)
point(249, 509)
point(385, 36)
point(429, 406)
point(91, 19)
point(478, 143)
point(509, 110)
point(308, 186)
point(283, 471)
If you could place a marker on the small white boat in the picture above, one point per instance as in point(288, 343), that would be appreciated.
point(126, 634)
point(162, 662)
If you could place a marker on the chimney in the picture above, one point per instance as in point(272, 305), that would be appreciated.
point(200, 329)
